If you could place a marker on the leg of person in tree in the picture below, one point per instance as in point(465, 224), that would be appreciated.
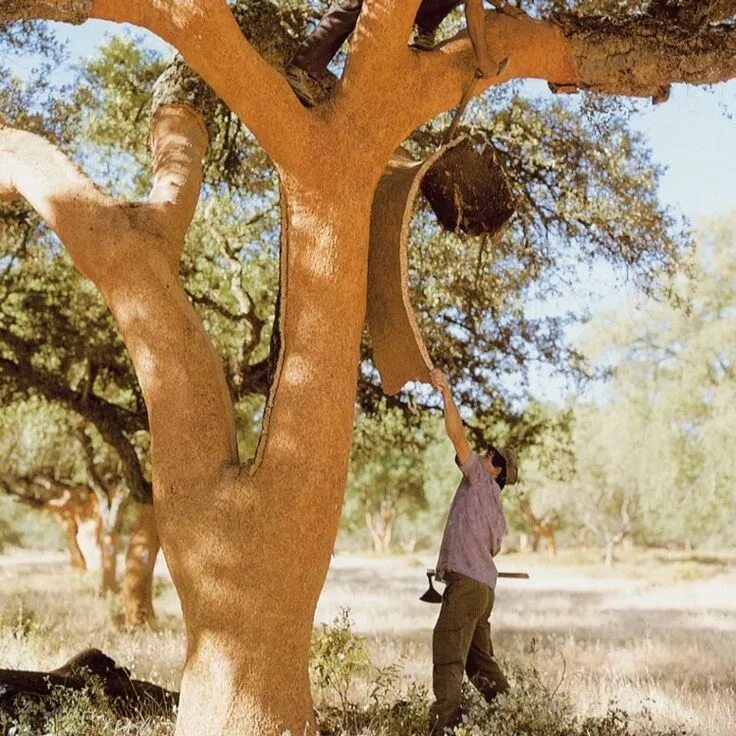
point(463, 604)
point(481, 666)
point(430, 15)
point(315, 53)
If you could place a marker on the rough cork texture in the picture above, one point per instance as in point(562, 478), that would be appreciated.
point(179, 85)
point(468, 189)
point(641, 57)
point(69, 11)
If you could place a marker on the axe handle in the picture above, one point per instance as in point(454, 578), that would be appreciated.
point(515, 575)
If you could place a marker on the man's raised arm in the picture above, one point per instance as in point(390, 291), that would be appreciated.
point(453, 422)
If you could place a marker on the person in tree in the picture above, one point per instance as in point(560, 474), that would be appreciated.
point(311, 58)
point(475, 527)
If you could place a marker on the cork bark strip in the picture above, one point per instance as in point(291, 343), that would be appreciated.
point(399, 350)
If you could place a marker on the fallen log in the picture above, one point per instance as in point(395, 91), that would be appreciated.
point(89, 669)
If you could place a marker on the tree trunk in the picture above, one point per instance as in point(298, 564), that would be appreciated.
point(140, 559)
point(374, 532)
point(248, 607)
point(388, 530)
point(88, 539)
point(610, 544)
point(109, 556)
point(381, 527)
point(76, 558)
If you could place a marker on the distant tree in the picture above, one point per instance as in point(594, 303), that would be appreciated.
point(540, 506)
point(385, 475)
point(52, 460)
point(673, 389)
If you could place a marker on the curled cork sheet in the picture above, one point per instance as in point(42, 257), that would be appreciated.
point(399, 351)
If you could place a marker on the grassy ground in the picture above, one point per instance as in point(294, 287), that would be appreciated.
point(657, 632)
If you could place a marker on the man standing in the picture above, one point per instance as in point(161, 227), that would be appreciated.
point(473, 534)
point(317, 50)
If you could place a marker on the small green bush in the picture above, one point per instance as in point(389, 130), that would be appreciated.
point(20, 618)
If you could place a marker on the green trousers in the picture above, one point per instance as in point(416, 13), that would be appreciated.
point(462, 643)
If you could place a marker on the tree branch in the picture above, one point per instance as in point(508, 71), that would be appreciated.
point(241, 77)
point(178, 143)
point(57, 189)
point(633, 57)
point(121, 248)
point(641, 57)
point(380, 42)
point(209, 39)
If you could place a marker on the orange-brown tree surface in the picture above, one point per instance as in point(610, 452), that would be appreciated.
point(248, 545)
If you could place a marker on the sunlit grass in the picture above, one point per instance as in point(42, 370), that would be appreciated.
point(640, 636)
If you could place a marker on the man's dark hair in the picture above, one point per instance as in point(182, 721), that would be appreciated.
point(500, 462)
point(497, 459)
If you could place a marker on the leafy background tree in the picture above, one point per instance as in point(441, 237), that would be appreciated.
point(586, 190)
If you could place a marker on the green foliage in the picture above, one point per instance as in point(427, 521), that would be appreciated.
point(532, 707)
point(386, 478)
point(337, 658)
point(663, 436)
point(651, 455)
point(85, 711)
point(21, 526)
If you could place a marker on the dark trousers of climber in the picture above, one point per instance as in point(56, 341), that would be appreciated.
point(462, 643)
point(339, 21)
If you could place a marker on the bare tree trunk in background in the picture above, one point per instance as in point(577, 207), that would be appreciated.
point(69, 524)
point(74, 507)
point(140, 560)
point(609, 547)
point(109, 557)
point(381, 527)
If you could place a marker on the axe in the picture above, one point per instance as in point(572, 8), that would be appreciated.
point(432, 596)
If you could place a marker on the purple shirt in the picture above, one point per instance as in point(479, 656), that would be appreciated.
point(475, 527)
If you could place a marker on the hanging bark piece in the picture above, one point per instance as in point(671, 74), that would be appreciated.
point(399, 351)
point(469, 192)
point(127, 696)
point(468, 189)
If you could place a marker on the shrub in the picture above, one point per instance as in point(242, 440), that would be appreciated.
point(85, 712)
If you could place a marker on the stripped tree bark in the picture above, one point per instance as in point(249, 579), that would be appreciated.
point(248, 635)
point(110, 501)
point(381, 526)
point(140, 559)
point(73, 507)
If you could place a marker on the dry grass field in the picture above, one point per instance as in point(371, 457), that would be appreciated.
point(658, 632)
